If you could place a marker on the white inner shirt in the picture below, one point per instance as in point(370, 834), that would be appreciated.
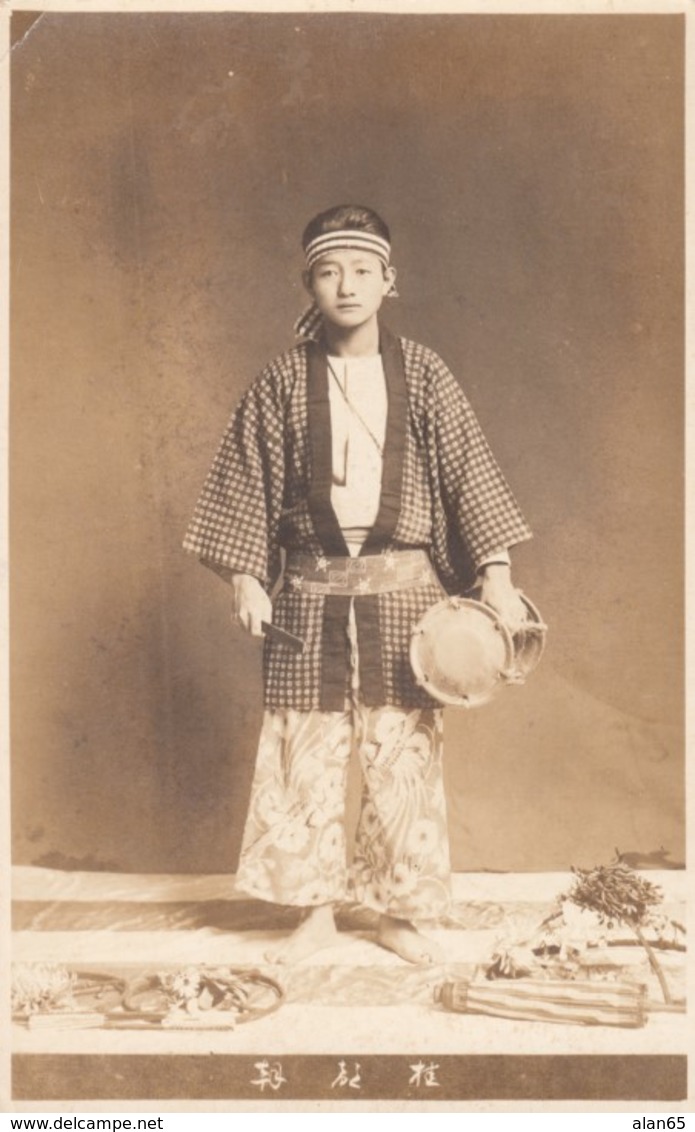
point(357, 459)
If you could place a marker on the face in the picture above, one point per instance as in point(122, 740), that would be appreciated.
point(348, 287)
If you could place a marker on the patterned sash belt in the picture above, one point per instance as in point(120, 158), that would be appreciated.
point(353, 577)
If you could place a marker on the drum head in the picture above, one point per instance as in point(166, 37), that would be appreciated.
point(460, 652)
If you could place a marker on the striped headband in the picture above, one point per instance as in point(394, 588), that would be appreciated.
point(347, 239)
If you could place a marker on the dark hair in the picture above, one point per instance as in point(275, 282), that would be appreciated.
point(354, 216)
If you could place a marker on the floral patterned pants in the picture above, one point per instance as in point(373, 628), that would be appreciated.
point(294, 846)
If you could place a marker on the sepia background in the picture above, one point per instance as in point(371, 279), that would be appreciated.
point(163, 167)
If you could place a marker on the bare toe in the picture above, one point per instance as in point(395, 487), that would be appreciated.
point(401, 937)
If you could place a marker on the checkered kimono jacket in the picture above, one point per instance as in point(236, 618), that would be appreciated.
point(269, 491)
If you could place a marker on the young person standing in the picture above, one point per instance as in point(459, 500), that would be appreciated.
point(353, 468)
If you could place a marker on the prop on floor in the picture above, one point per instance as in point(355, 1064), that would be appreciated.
point(607, 898)
point(190, 998)
point(617, 895)
point(41, 988)
point(535, 1000)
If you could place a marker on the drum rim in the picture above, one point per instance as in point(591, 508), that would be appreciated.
point(423, 681)
point(532, 636)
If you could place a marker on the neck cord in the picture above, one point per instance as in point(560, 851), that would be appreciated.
point(379, 447)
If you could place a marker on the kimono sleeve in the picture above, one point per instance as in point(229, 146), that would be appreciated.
point(236, 519)
point(482, 513)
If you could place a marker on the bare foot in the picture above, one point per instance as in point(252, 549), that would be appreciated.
point(316, 931)
point(400, 936)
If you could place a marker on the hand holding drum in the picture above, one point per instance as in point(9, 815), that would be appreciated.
point(497, 590)
point(462, 652)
